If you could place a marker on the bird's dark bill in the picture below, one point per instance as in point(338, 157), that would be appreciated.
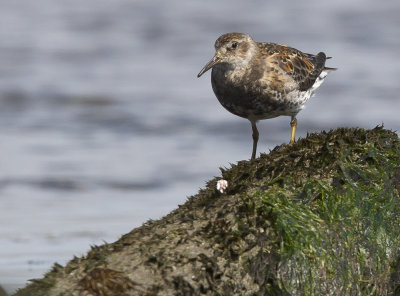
point(215, 60)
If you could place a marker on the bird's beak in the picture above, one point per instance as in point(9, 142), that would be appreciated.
point(215, 60)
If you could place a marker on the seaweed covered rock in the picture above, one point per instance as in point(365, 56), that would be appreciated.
point(320, 217)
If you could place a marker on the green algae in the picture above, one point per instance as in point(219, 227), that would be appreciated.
point(338, 218)
point(336, 241)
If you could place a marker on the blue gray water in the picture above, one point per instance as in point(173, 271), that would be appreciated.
point(104, 124)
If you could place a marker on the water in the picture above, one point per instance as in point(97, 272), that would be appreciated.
point(104, 124)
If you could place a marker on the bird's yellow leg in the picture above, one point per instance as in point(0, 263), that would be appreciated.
point(293, 124)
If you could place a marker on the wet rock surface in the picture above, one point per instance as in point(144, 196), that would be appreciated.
point(318, 217)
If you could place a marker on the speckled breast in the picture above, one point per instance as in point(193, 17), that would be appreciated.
point(251, 98)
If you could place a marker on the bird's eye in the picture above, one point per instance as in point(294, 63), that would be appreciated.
point(234, 45)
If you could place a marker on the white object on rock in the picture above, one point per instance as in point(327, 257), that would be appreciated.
point(222, 185)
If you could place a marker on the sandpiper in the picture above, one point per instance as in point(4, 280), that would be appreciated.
point(260, 80)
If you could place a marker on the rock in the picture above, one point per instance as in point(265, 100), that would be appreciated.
point(320, 217)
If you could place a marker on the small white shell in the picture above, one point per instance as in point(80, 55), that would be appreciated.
point(222, 185)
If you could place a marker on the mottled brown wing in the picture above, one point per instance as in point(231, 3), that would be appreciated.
point(303, 68)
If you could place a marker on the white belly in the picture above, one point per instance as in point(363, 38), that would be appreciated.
point(301, 97)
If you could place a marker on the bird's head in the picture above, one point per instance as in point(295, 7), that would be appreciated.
point(234, 49)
